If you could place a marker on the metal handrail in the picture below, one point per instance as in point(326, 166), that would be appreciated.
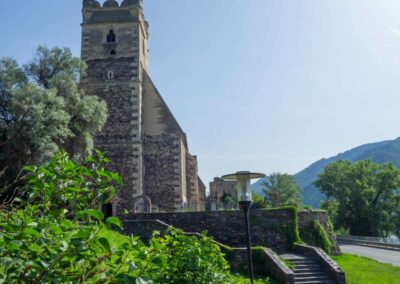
point(371, 239)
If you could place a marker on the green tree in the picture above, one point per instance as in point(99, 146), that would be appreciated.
point(366, 196)
point(281, 190)
point(56, 69)
point(330, 206)
point(258, 201)
point(43, 109)
point(228, 201)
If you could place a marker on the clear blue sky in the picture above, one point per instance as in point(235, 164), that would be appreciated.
point(264, 85)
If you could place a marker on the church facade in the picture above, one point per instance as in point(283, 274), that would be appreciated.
point(142, 138)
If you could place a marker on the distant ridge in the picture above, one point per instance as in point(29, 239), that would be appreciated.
point(379, 152)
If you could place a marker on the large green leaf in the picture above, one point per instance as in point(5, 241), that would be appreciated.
point(114, 221)
point(97, 214)
point(105, 243)
point(31, 232)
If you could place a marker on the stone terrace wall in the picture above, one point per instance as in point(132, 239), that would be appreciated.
point(269, 228)
point(306, 224)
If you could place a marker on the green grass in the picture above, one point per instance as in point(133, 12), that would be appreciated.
point(362, 270)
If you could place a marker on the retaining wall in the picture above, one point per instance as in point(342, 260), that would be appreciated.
point(269, 228)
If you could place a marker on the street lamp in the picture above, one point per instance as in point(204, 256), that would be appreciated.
point(244, 197)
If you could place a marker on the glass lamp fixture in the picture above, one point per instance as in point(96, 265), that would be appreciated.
point(243, 179)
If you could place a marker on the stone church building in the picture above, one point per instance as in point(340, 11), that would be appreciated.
point(142, 138)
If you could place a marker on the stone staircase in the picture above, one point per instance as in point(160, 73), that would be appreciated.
point(307, 270)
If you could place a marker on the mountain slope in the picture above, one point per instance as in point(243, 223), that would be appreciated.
point(380, 152)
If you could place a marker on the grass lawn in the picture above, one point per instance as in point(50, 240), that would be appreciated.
point(362, 270)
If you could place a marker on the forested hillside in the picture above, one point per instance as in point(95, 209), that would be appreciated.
point(379, 152)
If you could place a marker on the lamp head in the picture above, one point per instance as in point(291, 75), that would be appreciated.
point(243, 183)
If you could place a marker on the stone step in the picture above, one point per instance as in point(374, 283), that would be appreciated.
point(294, 257)
point(316, 282)
point(310, 273)
point(303, 261)
point(308, 267)
point(311, 278)
point(315, 266)
point(307, 270)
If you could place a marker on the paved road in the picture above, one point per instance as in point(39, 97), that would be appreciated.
point(381, 255)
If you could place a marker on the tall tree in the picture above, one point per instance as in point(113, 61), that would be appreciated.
point(281, 190)
point(366, 196)
point(42, 109)
point(56, 69)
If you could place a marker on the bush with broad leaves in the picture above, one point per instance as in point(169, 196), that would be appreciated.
point(59, 236)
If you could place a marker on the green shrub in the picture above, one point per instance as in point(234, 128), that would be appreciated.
point(321, 237)
point(292, 232)
point(58, 236)
point(189, 259)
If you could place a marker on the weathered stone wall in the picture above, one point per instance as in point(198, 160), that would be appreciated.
point(218, 188)
point(192, 184)
point(180, 171)
point(160, 153)
point(269, 228)
point(202, 194)
point(307, 219)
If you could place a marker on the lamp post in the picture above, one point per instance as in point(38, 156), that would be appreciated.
point(244, 197)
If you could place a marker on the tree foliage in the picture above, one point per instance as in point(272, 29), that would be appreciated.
point(258, 201)
point(44, 243)
point(281, 190)
point(364, 196)
point(228, 201)
point(43, 109)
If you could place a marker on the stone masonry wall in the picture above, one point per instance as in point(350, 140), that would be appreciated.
point(269, 228)
point(202, 194)
point(306, 227)
point(160, 178)
point(218, 188)
point(192, 185)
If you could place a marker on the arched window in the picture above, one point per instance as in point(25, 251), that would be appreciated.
point(112, 52)
point(111, 37)
point(110, 74)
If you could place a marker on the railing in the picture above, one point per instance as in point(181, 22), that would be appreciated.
point(388, 243)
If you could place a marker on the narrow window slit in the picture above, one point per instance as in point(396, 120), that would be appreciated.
point(111, 37)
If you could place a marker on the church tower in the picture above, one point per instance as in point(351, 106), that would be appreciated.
point(141, 137)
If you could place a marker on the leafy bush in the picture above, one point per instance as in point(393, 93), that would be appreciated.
point(189, 259)
point(321, 237)
point(58, 236)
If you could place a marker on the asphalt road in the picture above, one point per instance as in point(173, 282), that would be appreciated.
point(381, 255)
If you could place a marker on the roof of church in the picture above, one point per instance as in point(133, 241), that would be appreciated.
point(166, 115)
